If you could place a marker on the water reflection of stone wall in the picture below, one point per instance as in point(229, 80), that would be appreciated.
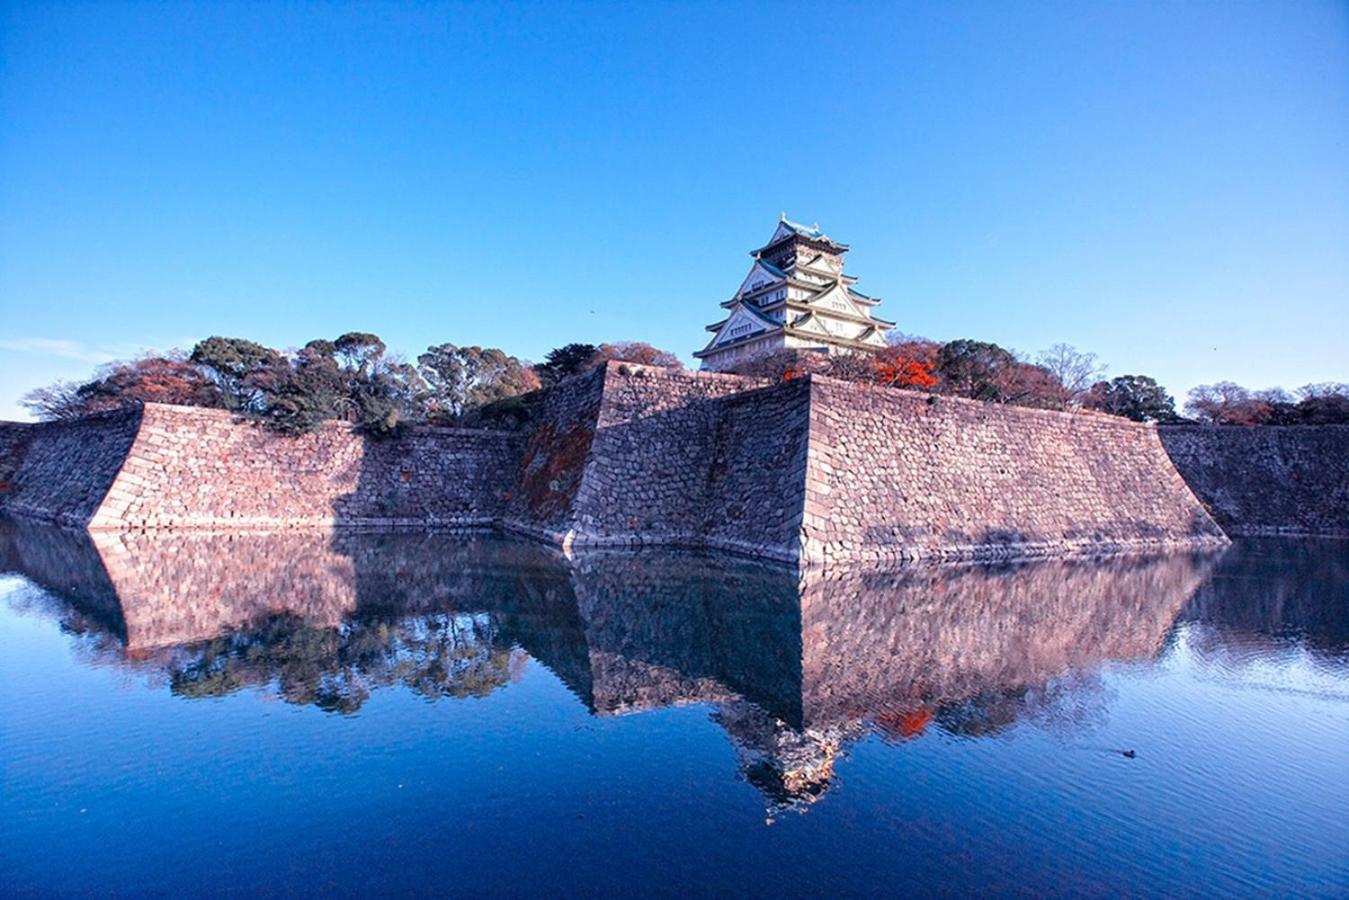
point(184, 587)
point(664, 629)
point(799, 668)
point(65, 563)
point(1268, 594)
point(795, 669)
point(938, 635)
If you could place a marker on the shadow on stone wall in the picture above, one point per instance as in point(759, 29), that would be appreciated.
point(433, 478)
point(713, 469)
point(1266, 479)
point(62, 471)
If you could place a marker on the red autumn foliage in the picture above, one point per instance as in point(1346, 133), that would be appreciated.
point(152, 379)
point(906, 373)
point(908, 364)
point(915, 723)
point(906, 725)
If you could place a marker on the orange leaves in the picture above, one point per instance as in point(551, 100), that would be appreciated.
point(909, 364)
point(905, 372)
point(905, 725)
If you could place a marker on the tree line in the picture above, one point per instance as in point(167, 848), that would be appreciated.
point(354, 378)
point(1064, 378)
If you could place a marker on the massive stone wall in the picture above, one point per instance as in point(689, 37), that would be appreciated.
point(898, 475)
point(14, 439)
point(756, 473)
point(816, 470)
point(62, 471)
point(554, 459)
point(1267, 479)
point(177, 467)
point(812, 470)
point(646, 478)
point(629, 455)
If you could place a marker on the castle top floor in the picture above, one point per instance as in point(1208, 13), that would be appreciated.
point(794, 245)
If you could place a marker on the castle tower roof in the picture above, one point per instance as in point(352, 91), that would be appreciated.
point(787, 230)
point(795, 297)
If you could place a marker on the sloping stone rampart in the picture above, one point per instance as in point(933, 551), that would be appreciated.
point(756, 473)
point(14, 440)
point(899, 475)
point(1266, 479)
point(812, 470)
point(817, 470)
point(61, 471)
point(179, 467)
point(554, 459)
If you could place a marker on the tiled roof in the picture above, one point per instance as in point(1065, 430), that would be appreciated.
point(810, 231)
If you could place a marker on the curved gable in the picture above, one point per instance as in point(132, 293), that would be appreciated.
point(760, 275)
point(836, 299)
point(743, 322)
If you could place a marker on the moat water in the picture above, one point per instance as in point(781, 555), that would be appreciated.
point(375, 714)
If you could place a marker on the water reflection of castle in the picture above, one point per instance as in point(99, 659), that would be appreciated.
point(794, 669)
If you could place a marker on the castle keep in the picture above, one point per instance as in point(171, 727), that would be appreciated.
point(795, 297)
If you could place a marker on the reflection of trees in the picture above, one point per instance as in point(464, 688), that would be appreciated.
point(795, 668)
point(1069, 703)
point(792, 767)
point(337, 668)
point(318, 619)
point(799, 668)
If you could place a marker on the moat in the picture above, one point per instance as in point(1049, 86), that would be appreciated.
point(413, 712)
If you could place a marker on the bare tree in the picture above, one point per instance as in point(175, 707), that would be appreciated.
point(1224, 403)
point(1075, 370)
point(58, 401)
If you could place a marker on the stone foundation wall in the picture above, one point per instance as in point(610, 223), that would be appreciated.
point(1266, 479)
point(14, 438)
point(897, 475)
point(817, 470)
point(756, 474)
point(811, 470)
point(632, 455)
point(554, 459)
point(61, 471)
point(646, 479)
point(180, 467)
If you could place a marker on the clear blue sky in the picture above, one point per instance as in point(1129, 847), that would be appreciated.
point(1164, 184)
